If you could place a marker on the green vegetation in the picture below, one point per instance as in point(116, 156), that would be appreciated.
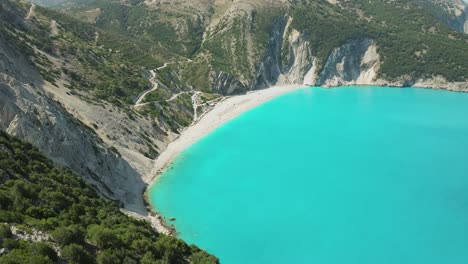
point(236, 46)
point(412, 42)
point(158, 29)
point(328, 26)
point(87, 229)
point(107, 70)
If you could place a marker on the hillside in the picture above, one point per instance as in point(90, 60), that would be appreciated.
point(53, 213)
point(74, 98)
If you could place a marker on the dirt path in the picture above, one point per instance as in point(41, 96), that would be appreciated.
point(31, 12)
point(141, 96)
point(165, 65)
point(195, 97)
point(54, 31)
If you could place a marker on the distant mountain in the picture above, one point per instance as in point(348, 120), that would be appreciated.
point(47, 3)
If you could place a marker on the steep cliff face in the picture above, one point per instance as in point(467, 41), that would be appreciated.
point(270, 68)
point(27, 112)
point(299, 66)
point(290, 60)
point(355, 63)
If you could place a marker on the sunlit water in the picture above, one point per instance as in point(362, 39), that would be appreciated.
point(350, 175)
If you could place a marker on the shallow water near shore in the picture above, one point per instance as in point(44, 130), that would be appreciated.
point(331, 176)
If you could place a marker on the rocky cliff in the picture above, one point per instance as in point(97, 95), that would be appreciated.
point(28, 112)
point(290, 60)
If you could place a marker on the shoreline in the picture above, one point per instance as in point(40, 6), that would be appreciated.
point(221, 113)
point(224, 111)
point(231, 107)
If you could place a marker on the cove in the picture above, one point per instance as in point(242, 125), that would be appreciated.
point(331, 176)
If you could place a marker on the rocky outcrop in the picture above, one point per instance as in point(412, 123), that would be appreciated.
point(269, 70)
point(289, 60)
point(355, 63)
point(299, 66)
point(224, 83)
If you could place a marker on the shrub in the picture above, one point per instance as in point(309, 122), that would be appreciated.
point(103, 237)
point(76, 254)
point(5, 231)
point(108, 257)
point(68, 235)
point(21, 256)
point(43, 249)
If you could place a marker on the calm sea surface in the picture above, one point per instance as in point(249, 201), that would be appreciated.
point(359, 175)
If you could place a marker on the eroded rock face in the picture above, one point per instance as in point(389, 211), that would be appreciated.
point(298, 62)
point(269, 70)
point(27, 112)
point(290, 60)
point(224, 83)
point(355, 63)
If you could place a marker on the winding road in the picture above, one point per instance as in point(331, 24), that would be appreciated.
point(141, 96)
point(31, 12)
point(195, 94)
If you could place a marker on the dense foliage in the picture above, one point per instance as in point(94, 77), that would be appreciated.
point(166, 34)
point(111, 73)
point(35, 195)
point(412, 41)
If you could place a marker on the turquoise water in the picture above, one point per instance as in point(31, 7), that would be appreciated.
point(331, 176)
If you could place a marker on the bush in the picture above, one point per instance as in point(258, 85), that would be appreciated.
point(10, 243)
point(103, 237)
point(5, 231)
point(43, 249)
point(76, 254)
point(108, 257)
point(68, 235)
point(21, 256)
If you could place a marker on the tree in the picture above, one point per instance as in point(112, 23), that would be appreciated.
point(76, 254)
point(103, 237)
point(43, 249)
point(108, 257)
point(20, 256)
point(201, 257)
point(68, 235)
point(5, 231)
